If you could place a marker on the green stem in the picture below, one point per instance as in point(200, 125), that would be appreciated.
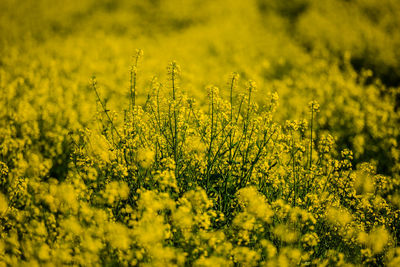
point(94, 86)
point(175, 139)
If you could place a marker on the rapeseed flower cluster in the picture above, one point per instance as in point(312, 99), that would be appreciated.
point(131, 170)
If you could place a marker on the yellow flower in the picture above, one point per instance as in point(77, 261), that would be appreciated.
point(3, 204)
point(44, 252)
point(145, 157)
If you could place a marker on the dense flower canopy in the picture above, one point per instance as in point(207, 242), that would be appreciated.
point(109, 158)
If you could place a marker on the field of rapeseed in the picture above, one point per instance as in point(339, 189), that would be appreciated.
point(200, 133)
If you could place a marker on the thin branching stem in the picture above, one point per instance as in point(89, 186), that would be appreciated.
point(94, 86)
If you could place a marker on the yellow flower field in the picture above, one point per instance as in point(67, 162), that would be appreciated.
point(199, 133)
